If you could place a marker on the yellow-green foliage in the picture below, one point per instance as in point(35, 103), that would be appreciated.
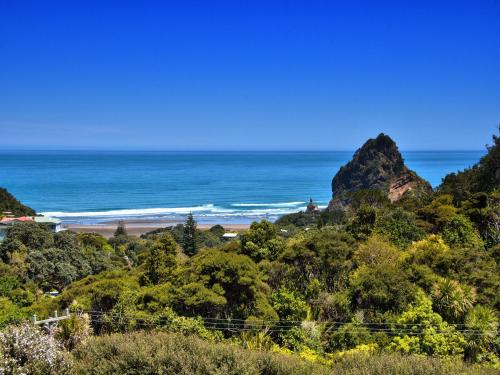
point(426, 332)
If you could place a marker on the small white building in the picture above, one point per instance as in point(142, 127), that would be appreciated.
point(229, 235)
point(51, 222)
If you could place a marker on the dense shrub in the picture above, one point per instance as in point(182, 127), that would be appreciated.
point(164, 353)
point(25, 349)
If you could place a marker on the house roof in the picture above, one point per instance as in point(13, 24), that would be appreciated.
point(37, 219)
point(46, 220)
point(9, 220)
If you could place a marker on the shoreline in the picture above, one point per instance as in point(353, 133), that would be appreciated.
point(138, 227)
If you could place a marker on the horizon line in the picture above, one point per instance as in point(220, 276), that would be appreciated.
point(35, 149)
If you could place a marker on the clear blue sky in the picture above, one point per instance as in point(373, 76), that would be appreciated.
point(252, 75)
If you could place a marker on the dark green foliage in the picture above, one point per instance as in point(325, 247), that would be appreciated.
point(349, 336)
point(459, 232)
point(207, 238)
point(439, 212)
point(299, 219)
point(363, 223)
point(381, 287)
point(8, 203)
point(51, 260)
point(476, 268)
point(189, 241)
point(204, 238)
point(323, 255)
point(482, 177)
point(224, 284)
point(371, 197)
point(121, 230)
point(162, 261)
point(484, 212)
point(289, 306)
point(400, 227)
point(26, 235)
point(55, 268)
point(217, 230)
point(261, 241)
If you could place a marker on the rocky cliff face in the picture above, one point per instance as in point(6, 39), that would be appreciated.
point(378, 164)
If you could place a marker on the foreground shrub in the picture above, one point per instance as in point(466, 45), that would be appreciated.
point(73, 331)
point(25, 349)
point(387, 364)
point(166, 353)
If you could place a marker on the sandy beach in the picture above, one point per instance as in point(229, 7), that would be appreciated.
point(137, 227)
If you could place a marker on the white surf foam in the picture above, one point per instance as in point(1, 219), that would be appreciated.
point(285, 204)
point(206, 210)
point(132, 212)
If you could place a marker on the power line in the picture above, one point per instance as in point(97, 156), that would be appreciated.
point(140, 321)
point(278, 322)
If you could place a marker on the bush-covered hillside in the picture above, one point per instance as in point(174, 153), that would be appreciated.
point(382, 287)
point(8, 203)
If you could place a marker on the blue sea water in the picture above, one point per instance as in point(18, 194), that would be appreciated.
point(223, 187)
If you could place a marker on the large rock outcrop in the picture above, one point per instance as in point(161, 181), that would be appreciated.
point(378, 164)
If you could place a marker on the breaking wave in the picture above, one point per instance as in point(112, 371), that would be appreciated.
point(210, 212)
point(286, 204)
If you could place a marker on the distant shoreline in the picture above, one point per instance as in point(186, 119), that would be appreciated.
point(137, 227)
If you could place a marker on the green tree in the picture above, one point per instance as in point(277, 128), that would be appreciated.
point(482, 324)
point(400, 227)
point(10, 312)
point(162, 261)
point(361, 226)
point(438, 213)
point(29, 235)
point(324, 254)
point(484, 211)
point(289, 306)
point(56, 268)
point(261, 241)
point(460, 232)
point(382, 287)
point(375, 251)
point(121, 230)
point(225, 284)
point(349, 335)
point(452, 300)
point(482, 177)
point(189, 243)
point(217, 230)
point(370, 197)
point(425, 332)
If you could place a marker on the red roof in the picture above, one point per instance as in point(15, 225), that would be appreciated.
point(7, 220)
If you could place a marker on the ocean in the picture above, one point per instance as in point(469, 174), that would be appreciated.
point(87, 187)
